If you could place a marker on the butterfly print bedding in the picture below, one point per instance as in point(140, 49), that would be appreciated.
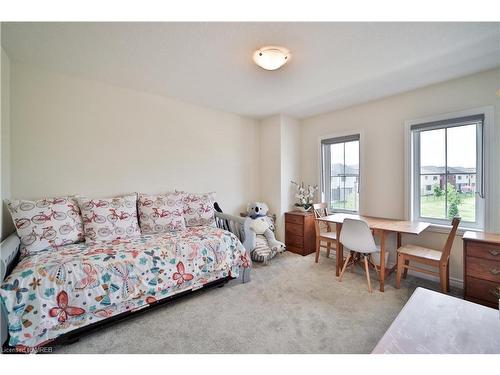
point(181, 275)
point(63, 310)
point(55, 291)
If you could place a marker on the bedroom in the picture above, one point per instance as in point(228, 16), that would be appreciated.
point(151, 171)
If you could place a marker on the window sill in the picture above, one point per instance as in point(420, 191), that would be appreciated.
point(338, 211)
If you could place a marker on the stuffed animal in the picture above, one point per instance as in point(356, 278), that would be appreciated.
point(266, 244)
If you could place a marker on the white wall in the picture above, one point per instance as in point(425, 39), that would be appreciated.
point(290, 161)
point(280, 163)
point(382, 123)
point(6, 225)
point(270, 163)
point(70, 136)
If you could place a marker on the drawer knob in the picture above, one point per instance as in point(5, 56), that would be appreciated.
point(494, 252)
point(494, 271)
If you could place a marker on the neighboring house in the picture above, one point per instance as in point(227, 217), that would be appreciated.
point(344, 182)
point(464, 179)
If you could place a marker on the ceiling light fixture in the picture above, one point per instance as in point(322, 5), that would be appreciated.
point(271, 57)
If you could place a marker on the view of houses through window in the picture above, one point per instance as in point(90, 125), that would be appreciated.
point(340, 185)
point(448, 172)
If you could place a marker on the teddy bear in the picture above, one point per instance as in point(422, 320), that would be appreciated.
point(266, 245)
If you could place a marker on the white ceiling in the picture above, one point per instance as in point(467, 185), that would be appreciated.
point(334, 65)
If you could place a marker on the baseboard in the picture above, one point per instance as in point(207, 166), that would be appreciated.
point(457, 283)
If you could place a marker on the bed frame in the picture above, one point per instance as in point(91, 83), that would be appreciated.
point(9, 251)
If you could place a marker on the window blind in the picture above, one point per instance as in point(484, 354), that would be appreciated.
point(449, 123)
point(347, 138)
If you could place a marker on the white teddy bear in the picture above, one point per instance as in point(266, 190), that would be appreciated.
point(266, 245)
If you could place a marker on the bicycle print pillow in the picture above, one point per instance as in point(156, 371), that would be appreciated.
point(199, 209)
point(160, 213)
point(109, 219)
point(45, 223)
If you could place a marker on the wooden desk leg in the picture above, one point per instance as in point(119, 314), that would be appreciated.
point(339, 251)
point(398, 240)
point(382, 259)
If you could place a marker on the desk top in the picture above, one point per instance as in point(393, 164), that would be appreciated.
point(482, 237)
point(435, 323)
point(392, 225)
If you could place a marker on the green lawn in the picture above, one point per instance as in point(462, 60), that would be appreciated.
point(435, 207)
point(352, 203)
point(431, 206)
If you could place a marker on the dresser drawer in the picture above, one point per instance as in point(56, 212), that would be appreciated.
point(294, 229)
point(482, 289)
point(483, 269)
point(294, 240)
point(296, 219)
point(483, 250)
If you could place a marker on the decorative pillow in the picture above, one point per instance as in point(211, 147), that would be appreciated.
point(199, 209)
point(109, 219)
point(46, 223)
point(160, 213)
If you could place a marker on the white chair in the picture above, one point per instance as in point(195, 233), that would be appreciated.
point(357, 237)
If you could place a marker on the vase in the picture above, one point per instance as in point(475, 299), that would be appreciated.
point(303, 209)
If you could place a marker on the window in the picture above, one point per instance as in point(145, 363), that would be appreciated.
point(451, 151)
point(340, 173)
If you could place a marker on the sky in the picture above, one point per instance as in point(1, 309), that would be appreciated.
point(461, 147)
point(351, 153)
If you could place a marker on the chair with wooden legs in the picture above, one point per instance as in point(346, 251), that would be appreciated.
point(326, 239)
point(358, 238)
point(431, 257)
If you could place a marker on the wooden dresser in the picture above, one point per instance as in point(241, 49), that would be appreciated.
point(482, 268)
point(300, 235)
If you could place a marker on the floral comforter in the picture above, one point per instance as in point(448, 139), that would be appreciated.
point(58, 290)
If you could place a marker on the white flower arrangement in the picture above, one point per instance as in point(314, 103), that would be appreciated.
point(304, 195)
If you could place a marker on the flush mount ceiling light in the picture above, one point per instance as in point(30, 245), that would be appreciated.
point(271, 57)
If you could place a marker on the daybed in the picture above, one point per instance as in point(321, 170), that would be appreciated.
point(56, 291)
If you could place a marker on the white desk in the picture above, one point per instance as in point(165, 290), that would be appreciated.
point(432, 322)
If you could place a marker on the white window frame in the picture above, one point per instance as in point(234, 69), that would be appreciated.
point(346, 133)
point(486, 222)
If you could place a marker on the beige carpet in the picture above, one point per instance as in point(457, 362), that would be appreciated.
point(291, 306)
